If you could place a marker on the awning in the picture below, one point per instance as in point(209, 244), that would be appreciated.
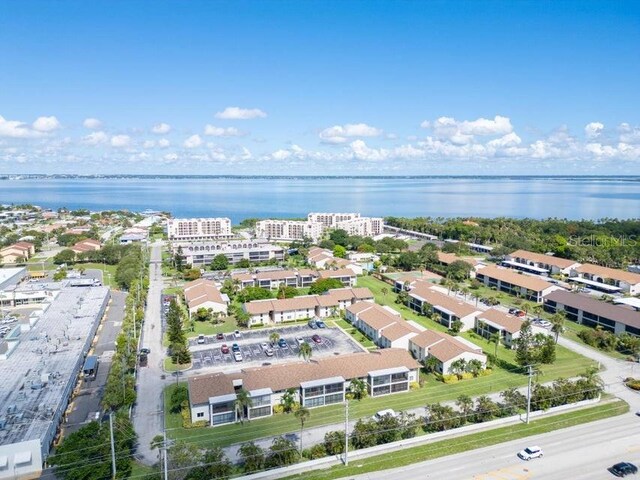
point(524, 266)
point(260, 392)
point(598, 285)
point(22, 457)
point(322, 381)
point(444, 310)
point(388, 371)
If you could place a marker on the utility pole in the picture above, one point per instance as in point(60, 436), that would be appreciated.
point(529, 392)
point(166, 469)
point(346, 432)
point(113, 450)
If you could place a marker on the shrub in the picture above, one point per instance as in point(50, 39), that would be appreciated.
point(317, 451)
point(486, 371)
point(466, 376)
point(449, 378)
point(277, 409)
point(414, 385)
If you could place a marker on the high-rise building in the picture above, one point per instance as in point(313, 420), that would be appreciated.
point(198, 228)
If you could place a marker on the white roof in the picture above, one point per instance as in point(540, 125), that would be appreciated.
point(632, 302)
point(602, 286)
point(22, 457)
point(533, 268)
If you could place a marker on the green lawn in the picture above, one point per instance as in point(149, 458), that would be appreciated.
point(568, 364)
point(169, 366)
point(141, 471)
point(354, 333)
point(571, 332)
point(465, 443)
point(207, 328)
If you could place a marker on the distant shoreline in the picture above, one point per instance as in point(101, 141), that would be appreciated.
point(28, 176)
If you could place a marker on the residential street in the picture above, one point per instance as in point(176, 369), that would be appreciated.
point(148, 418)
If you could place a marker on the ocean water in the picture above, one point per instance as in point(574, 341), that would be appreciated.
point(246, 197)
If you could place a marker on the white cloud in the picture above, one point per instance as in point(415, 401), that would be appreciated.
point(92, 123)
point(593, 129)
point(509, 140)
point(170, 157)
point(342, 133)
point(214, 131)
point(16, 129)
point(161, 128)
point(149, 144)
point(120, 141)
point(237, 113)
point(163, 143)
point(629, 134)
point(463, 132)
point(281, 154)
point(46, 124)
point(96, 138)
point(361, 151)
point(193, 141)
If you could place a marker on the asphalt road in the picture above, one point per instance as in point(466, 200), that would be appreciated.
point(87, 402)
point(583, 452)
point(147, 416)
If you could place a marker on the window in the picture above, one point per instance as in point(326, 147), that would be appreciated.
point(335, 398)
point(223, 418)
point(381, 390)
point(314, 402)
point(334, 387)
point(200, 414)
point(313, 391)
point(381, 380)
point(398, 377)
point(260, 412)
point(399, 387)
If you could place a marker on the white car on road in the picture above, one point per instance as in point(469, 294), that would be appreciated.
point(237, 356)
point(383, 413)
point(530, 452)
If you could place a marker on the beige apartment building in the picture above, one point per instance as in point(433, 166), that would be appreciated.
point(190, 229)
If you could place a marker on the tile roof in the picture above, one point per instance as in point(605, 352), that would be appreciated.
point(510, 323)
point(513, 277)
point(283, 376)
point(378, 317)
point(201, 291)
point(542, 258)
point(441, 345)
point(342, 272)
point(398, 330)
point(276, 275)
point(605, 272)
point(449, 258)
point(424, 291)
point(589, 304)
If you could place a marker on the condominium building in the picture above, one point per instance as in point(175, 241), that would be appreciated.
point(423, 299)
point(198, 228)
point(325, 381)
point(539, 263)
point(331, 220)
point(362, 226)
point(289, 230)
point(201, 253)
point(610, 280)
point(506, 280)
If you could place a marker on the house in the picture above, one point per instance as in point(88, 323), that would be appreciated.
point(589, 311)
point(202, 252)
point(272, 279)
point(323, 258)
point(87, 245)
point(17, 253)
point(203, 293)
point(606, 279)
point(518, 284)
point(423, 298)
point(263, 312)
point(383, 325)
point(347, 276)
point(539, 263)
point(316, 383)
point(494, 321)
point(445, 349)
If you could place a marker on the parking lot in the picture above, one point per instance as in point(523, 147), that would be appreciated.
point(209, 355)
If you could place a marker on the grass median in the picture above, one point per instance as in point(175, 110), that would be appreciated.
point(465, 443)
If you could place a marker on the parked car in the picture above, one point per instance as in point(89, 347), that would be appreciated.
point(312, 323)
point(317, 339)
point(544, 324)
point(269, 352)
point(383, 413)
point(201, 339)
point(219, 336)
point(264, 346)
point(143, 359)
point(623, 469)
point(237, 356)
point(237, 334)
point(282, 343)
point(300, 341)
point(321, 324)
point(235, 347)
point(145, 350)
point(224, 349)
point(513, 311)
point(529, 453)
point(520, 313)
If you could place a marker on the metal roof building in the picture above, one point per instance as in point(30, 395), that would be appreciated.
point(38, 374)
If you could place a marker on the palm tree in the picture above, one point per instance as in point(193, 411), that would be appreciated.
point(476, 297)
point(537, 309)
point(557, 324)
point(591, 377)
point(474, 367)
point(358, 388)
point(274, 337)
point(431, 363)
point(243, 401)
point(465, 404)
point(457, 367)
point(303, 415)
point(384, 291)
point(495, 338)
point(465, 291)
point(305, 351)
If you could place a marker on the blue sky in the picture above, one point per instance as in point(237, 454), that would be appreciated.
point(331, 87)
